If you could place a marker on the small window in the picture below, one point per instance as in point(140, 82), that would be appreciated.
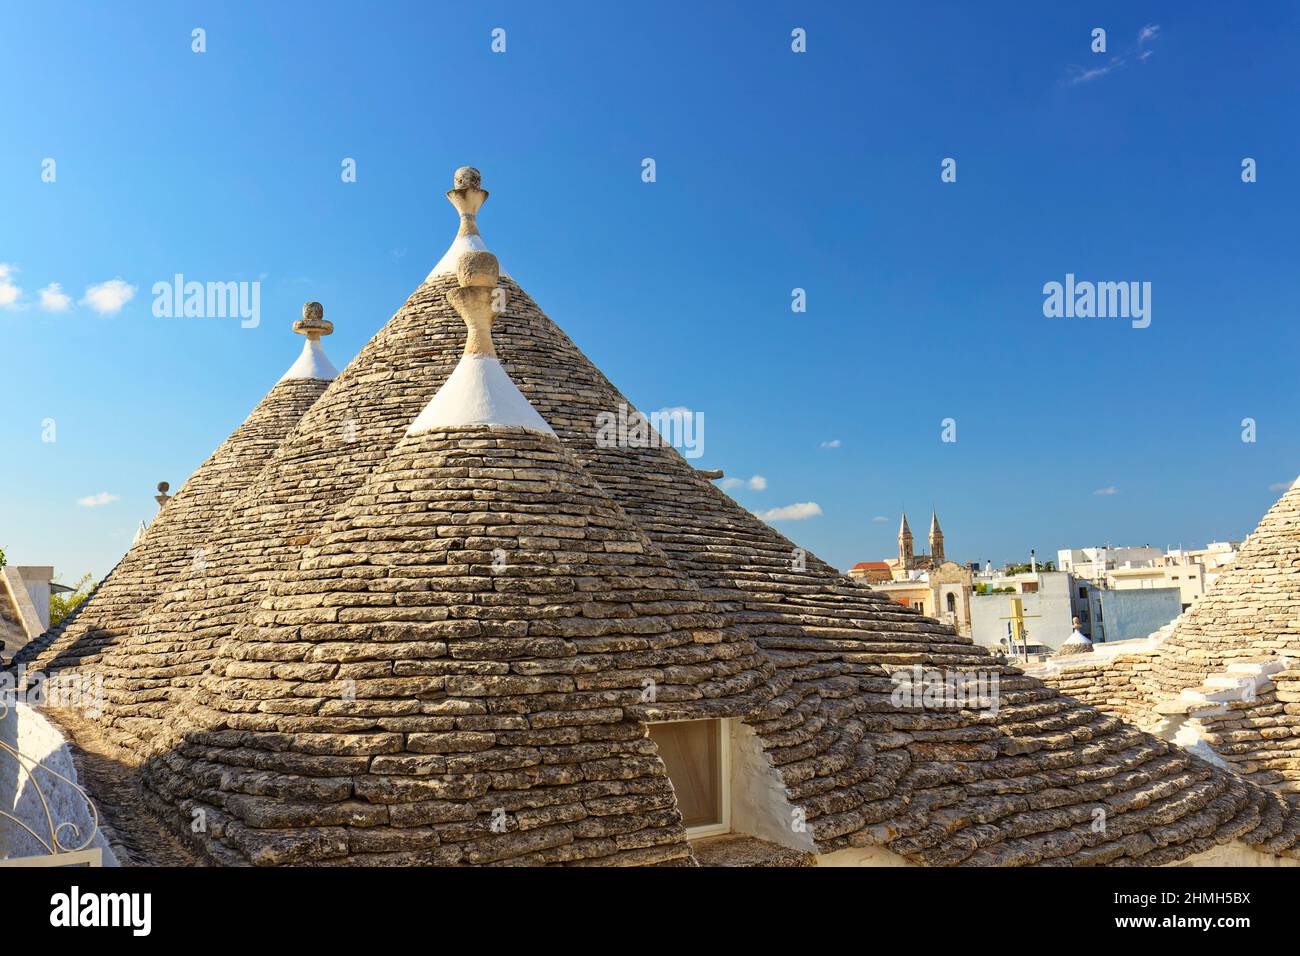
point(1083, 594)
point(952, 603)
point(695, 753)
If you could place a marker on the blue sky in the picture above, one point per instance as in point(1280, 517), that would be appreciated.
point(775, 170)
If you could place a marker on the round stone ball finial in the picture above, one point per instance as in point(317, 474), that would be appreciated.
point(164, 487)
point(467, 195)
point(477, 270)
point(313, 311)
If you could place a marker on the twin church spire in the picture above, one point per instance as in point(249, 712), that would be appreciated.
point(906, 553)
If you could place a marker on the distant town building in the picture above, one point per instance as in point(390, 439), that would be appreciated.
point(873, 572)
point(1049, 599)
point(908, 560)
point(24, 605)
point(1116, 594)
point(1052, 600)
point(1091, 563)
point(1190, 571)
point(927, 582)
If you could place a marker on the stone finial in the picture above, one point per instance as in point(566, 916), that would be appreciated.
point(313, 323)
point(468, 196)
point(476, 299)
point(162, 497)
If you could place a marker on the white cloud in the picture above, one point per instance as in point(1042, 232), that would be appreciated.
point(1077, 74)
point(833, 443)
point(756, 483)
point(795, 512)
point(1087, 76)
point(95, 501)
point(879, 519)
point(1108, 490)
point(107, 298)
point(54, 299)
point(1280, 485)
point(9, 292)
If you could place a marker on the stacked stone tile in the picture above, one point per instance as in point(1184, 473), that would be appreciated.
point(338, 443)
point(1115, 677)
point(1246, 718)
point(181, 534)
point(1252, 613)
point(1018, 785)
point(1112, 683)
point(1218, 680)
point(1074, 648)
point(459, 670)
point(1279, 752)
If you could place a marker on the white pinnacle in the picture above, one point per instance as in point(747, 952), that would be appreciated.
point(468, 196)
point(479, 391)
point(312, 363)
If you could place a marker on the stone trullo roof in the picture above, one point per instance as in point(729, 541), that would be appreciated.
point(181, 534)
point(1076, 643)
point(1252, 612)
point(1224, 678)
point(500, 619)
point(1021, 785)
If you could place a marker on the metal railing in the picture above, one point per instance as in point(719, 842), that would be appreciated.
point(63, 843)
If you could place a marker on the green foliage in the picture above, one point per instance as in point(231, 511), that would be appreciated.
point(1026, 568)
point(2, 557)
point(61, 605)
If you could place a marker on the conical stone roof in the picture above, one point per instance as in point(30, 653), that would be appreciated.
point(1252, 612)
point(181, 535)
point(470, 639)
point(469, 650)
point(1075, 644)
point(1018, 786)
point(347, 434)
